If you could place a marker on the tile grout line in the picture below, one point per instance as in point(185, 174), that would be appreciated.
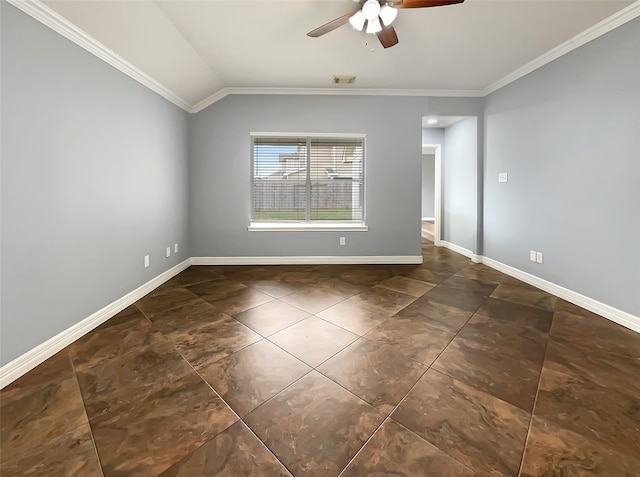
point(260, 405)
point(201, 378)
point(388, 417)
point(239, 418)
point(364, 444)
point(84, 405)
point(535, 399)
point(313, 368)
point(429, 367)
point(216, 393)
point(222, 313)
point(457, 380)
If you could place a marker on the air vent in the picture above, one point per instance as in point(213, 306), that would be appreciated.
point(344, 79)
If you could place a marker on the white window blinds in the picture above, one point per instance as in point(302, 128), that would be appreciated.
point(308, 179)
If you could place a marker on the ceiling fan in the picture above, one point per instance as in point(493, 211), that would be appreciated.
point(378, 16)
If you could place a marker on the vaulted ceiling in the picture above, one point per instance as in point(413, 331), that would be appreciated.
point(196, 49)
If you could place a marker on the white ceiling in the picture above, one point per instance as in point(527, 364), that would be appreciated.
point(195, 49)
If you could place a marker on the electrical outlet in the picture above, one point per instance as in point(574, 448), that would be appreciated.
point(175, 248)
point(532, 255)
point(539, 257)
point(146, 261)
point(503, 177)
point(343, 241)
point(168, 252)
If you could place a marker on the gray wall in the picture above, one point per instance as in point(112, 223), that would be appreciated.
point(568, 135)
point(220, 173)
point(94, 176)
point(428, 185)
point(460, 184)
point(433, 136)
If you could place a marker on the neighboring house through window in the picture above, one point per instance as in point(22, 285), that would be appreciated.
point(308, 178)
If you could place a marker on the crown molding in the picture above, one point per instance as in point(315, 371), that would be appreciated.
point(48, 17)
point(217, 96)
point(605, 26)
point(610, 23)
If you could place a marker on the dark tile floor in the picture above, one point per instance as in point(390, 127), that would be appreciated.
point(444, 369)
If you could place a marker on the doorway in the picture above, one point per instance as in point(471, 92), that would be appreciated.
point(456, 185)
point(431, 174)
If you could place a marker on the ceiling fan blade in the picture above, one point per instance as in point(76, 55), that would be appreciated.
point(425, 3)
point(387, 36)
point(332, 25)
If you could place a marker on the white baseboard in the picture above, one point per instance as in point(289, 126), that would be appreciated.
point(432, 219)
point(311, 260)
point(618, 316)
point(462, 251)
point(21, 365)
point(32, 358)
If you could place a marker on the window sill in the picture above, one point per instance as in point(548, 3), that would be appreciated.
point(307, 227)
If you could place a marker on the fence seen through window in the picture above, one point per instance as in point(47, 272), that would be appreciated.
point(308, 178)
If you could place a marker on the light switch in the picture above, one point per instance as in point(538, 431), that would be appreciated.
point(503, 177)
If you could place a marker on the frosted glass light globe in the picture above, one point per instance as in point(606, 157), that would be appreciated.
point(371, 9)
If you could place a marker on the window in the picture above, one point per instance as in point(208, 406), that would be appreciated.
point(309, 179)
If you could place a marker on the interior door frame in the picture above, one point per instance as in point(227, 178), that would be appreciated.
point(436, 149)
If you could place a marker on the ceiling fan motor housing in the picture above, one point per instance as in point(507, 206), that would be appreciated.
point(375, 15)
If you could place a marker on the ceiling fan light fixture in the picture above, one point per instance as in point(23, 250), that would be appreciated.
point(374, 26)
point(371, 10)
point(357, 20)
point(388, 14)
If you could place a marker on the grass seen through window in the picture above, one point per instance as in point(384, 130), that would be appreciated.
point(299, 214)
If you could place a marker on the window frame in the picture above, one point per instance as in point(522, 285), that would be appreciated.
point(306, 224)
